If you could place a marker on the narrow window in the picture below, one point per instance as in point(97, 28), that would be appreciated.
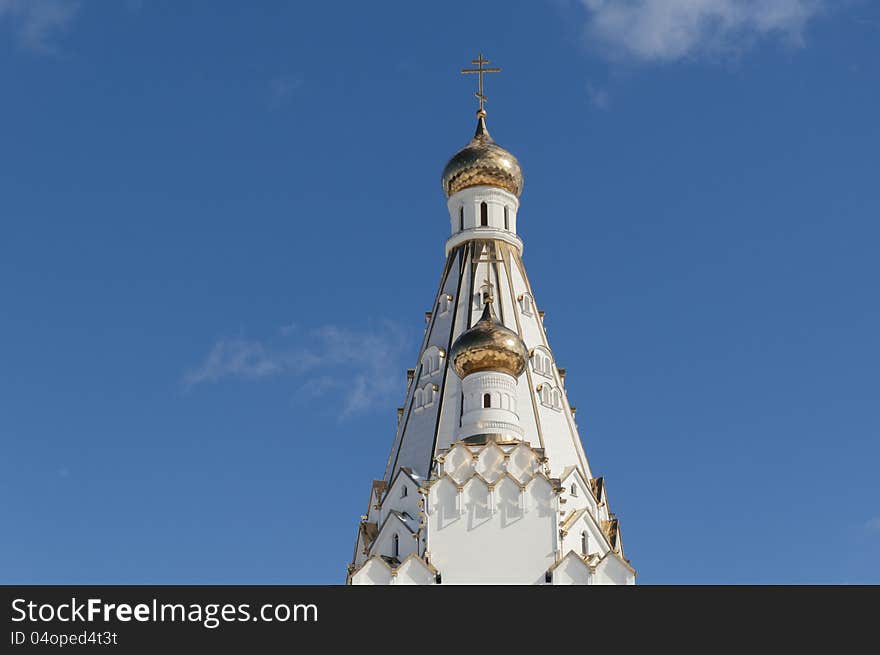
point(484, 214)
point(395, 546)
point(506, 219)
point(487, 400)
point(585, 543)
point(403, 492)
point(461, 218)
point(574, 490)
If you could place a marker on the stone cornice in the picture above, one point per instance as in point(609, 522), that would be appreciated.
point(483, 234)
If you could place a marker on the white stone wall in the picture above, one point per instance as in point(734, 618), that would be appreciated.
point(465, 211)
point(500, 416)
point(492, 534)
point(491, 514)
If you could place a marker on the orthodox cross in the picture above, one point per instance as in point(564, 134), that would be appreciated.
point(480, 70)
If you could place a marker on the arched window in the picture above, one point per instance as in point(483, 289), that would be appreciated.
point(506, 218)
point(444, 304)
point(432, 361)
point(487, 400)
point(484, 214)
point(480, 298)
point(541, 361)
point(574, 489)
point(395, 546)
point(585, 543)
point(461, 218)
point(550, 396)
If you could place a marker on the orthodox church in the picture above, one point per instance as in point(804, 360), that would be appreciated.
point(487, 481)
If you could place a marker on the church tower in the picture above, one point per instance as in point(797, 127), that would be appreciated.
point(487, 481)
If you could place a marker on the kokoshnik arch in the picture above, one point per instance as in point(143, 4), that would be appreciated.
point(487, 481)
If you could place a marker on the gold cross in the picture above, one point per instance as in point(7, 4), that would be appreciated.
point(479, 61)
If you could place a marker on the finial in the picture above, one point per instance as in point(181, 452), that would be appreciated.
point(488, 308)
point(487, 293)
point(480, 70)
point(482, 132)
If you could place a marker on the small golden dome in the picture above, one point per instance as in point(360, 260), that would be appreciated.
point(489, 346)
point(482, 161)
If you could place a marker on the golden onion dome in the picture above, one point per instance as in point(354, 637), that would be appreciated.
point(489, 346)
point(482, 161)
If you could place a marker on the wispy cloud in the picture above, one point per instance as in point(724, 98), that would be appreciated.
point(236, 357)
point(670, 30)
point(363, 369)
point(37, 23)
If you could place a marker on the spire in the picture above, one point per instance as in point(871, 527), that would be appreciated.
point(486, 430)
point(482, 162)
point(488, 311)
point(482, 135)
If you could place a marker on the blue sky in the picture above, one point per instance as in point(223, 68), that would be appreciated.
point(222, 223)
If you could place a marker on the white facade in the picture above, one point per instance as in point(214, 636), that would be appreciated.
point(519, 507)
point(489, 405)
point(482, 212)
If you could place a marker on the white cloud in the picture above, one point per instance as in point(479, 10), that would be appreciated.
point(360, 369)
point(669, 30)
point(363, 368)
point(38, 22)
point(234, 358)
